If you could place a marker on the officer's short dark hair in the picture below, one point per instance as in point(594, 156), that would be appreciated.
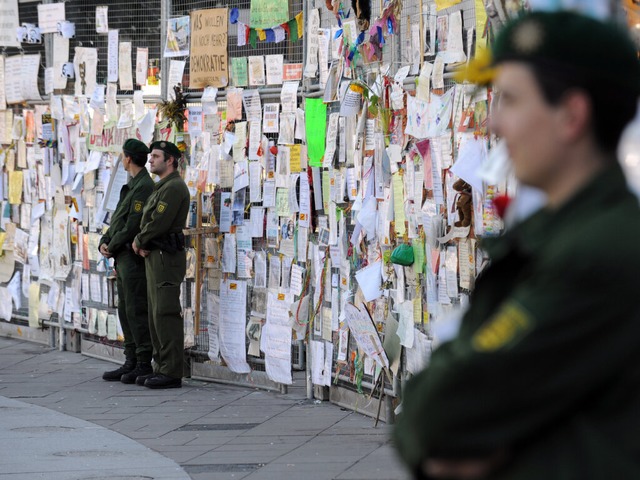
point(567, 51)
point(136, 151)
point(176, 161)
point(166, 157)
point(611, 109)
point(140, 159)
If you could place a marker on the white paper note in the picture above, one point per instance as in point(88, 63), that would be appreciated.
point(102, 19)
point(112, 56)
point(142, 60)
point(313, 24)
point(405, 324)
point(370, 280)
point(124, 66)
point(225, 211)
point(29, 79)
point(85, 63)
point(233, 315)
point(60, 57)
point(274, 67)
point(270, 121)
point(252, 105)
point(289, 97)
point(12, 79)
point(213, 310)
point(256, 220)
point(365, 333)
point(10, 22)
point(49, 15)
point(229, 254)
point(176, 70)
point(3, 99)
point(276, 338)
point(256, 70)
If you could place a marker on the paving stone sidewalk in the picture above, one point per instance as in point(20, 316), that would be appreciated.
point(92, 429)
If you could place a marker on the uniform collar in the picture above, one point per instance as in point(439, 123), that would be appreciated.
point(138, 178)
point(532, 234)
point(173, 174)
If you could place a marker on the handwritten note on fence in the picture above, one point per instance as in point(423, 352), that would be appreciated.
point(209, 66)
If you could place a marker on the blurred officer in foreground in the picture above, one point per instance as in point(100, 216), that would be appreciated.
point(542, 381)
point(161, 242)
point(130, 275)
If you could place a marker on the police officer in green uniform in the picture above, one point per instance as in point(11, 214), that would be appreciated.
point(130, 275)
point(161, 242)
point(542, 381)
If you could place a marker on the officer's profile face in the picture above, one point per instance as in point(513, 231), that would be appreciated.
point(126, 161)
point(157, 162)
point(530, 126)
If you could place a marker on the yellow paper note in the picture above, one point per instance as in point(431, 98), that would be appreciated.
point(442, 4)
point(417, 307)
point(15, 187)
point(326, 190)
point(398, 203)
point(294, 158)
point(10, 160)
point(300, 22)
point(419, 255)
point(481, 22)
point(2, 237)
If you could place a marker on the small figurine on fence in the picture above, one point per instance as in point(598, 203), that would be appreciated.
point(464, 203)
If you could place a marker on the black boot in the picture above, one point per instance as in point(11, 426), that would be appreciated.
point(142, 368)
point(160, 380)
point(143, 378)
point(114, 375)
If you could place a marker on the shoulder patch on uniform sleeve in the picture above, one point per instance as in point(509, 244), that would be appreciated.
point(162, 206)
point(137, 205)
point(505, 328)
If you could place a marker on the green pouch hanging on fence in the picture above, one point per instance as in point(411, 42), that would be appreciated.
point(402, 255)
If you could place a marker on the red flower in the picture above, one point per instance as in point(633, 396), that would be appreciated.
point(501, 202)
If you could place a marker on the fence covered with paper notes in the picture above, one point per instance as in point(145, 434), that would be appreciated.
point(333, 164)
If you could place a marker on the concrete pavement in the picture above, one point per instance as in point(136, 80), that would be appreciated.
point(92, 429)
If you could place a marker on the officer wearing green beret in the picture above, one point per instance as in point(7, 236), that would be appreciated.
point(542, 380)
point(130, 273)
point(161, 242)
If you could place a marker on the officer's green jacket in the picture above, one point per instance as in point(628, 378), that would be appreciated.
point(165, 211)
point(125, 221)
point(546, 364)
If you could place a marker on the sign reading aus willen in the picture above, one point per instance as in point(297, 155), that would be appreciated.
point(208, 59)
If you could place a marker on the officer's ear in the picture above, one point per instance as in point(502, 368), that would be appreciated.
point(576, 114)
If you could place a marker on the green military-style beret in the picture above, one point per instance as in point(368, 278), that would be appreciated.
point(168, 148)
point(569, 41)
point(134, 146)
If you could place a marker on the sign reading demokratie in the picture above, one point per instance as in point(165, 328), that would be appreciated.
point(208, 60)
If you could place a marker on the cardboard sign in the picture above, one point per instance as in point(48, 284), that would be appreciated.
point(209, 66)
